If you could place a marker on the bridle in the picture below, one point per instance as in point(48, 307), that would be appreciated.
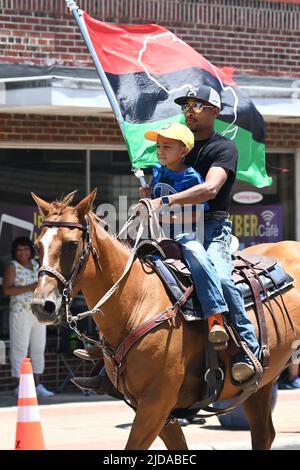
point(87, 249)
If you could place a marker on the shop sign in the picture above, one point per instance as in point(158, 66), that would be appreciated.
point(257, 224)
point(247, 197)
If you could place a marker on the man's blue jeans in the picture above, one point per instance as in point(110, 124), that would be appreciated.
point(211, 267)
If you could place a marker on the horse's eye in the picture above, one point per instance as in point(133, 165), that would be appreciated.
point(72, 245)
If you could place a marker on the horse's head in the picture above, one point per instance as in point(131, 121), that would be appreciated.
point(61, 245)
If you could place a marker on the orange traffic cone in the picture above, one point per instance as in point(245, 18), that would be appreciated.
point(29, 434)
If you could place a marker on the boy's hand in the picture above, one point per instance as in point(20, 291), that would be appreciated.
point(144, 192)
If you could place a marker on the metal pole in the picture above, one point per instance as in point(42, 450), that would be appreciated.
point(78, 15)
point(88, 171)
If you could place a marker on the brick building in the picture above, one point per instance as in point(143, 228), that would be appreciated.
point(57, 131)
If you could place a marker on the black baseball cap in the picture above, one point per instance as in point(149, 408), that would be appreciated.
point(205, 93)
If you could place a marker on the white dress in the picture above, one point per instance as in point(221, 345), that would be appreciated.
point(27, 334)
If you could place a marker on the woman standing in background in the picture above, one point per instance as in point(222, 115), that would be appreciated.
point(25, 332)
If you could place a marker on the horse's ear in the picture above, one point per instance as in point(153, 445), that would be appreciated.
point(44, 206)
point(85, 206)
point(69, 198)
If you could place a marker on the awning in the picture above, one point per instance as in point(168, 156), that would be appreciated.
point(30, 89)
point(276, 98)
point(51, 90)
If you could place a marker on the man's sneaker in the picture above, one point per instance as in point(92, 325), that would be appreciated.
point(241, 371)
point(41, 391)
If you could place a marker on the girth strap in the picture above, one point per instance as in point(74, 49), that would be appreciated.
point(253, 282)
point(120, 353)
point(141, 331)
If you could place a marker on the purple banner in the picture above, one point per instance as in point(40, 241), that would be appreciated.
point(257, 224)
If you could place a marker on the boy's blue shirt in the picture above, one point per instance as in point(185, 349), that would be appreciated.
point(166, 182)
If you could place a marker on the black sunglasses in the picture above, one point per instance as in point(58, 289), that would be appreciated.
point(196, 106)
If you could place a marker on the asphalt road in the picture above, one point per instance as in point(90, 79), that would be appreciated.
point(73, 421)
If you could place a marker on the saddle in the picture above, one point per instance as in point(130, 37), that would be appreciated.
point(259, 278)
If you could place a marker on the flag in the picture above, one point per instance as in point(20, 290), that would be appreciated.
point(148, 67)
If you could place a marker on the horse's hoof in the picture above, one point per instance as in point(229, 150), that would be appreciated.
point(241, 371)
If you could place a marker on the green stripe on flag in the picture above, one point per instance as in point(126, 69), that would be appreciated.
point(251, 161)
point(142, 152)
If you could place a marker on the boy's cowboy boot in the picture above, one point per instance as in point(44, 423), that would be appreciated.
point(217, 334)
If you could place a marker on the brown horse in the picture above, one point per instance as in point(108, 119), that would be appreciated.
point(163, 368)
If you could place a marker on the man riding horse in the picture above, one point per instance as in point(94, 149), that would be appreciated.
point(215, 158)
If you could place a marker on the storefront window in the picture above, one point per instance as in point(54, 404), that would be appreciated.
point(262, 215)
point(52, 174)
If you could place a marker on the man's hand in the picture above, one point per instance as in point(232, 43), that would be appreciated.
point(156, 203)
point(141, 211)
point(144, 192)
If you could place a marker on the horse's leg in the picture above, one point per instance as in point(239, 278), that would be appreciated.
point(149, 420)
point(173, 437)
point(258, 411)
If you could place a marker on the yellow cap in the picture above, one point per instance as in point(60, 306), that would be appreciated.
point(174, 131)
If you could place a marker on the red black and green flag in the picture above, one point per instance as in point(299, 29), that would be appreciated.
point(148, 67)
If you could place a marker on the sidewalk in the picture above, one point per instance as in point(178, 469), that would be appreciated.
point(74, 421)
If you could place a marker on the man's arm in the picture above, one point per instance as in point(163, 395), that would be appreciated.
point(200, 193)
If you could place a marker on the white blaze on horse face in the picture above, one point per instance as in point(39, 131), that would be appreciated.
point(46, 242)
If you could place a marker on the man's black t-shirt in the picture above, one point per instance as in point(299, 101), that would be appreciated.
point(219, 152)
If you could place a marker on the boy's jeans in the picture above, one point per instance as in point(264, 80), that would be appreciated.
point(211, 267)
